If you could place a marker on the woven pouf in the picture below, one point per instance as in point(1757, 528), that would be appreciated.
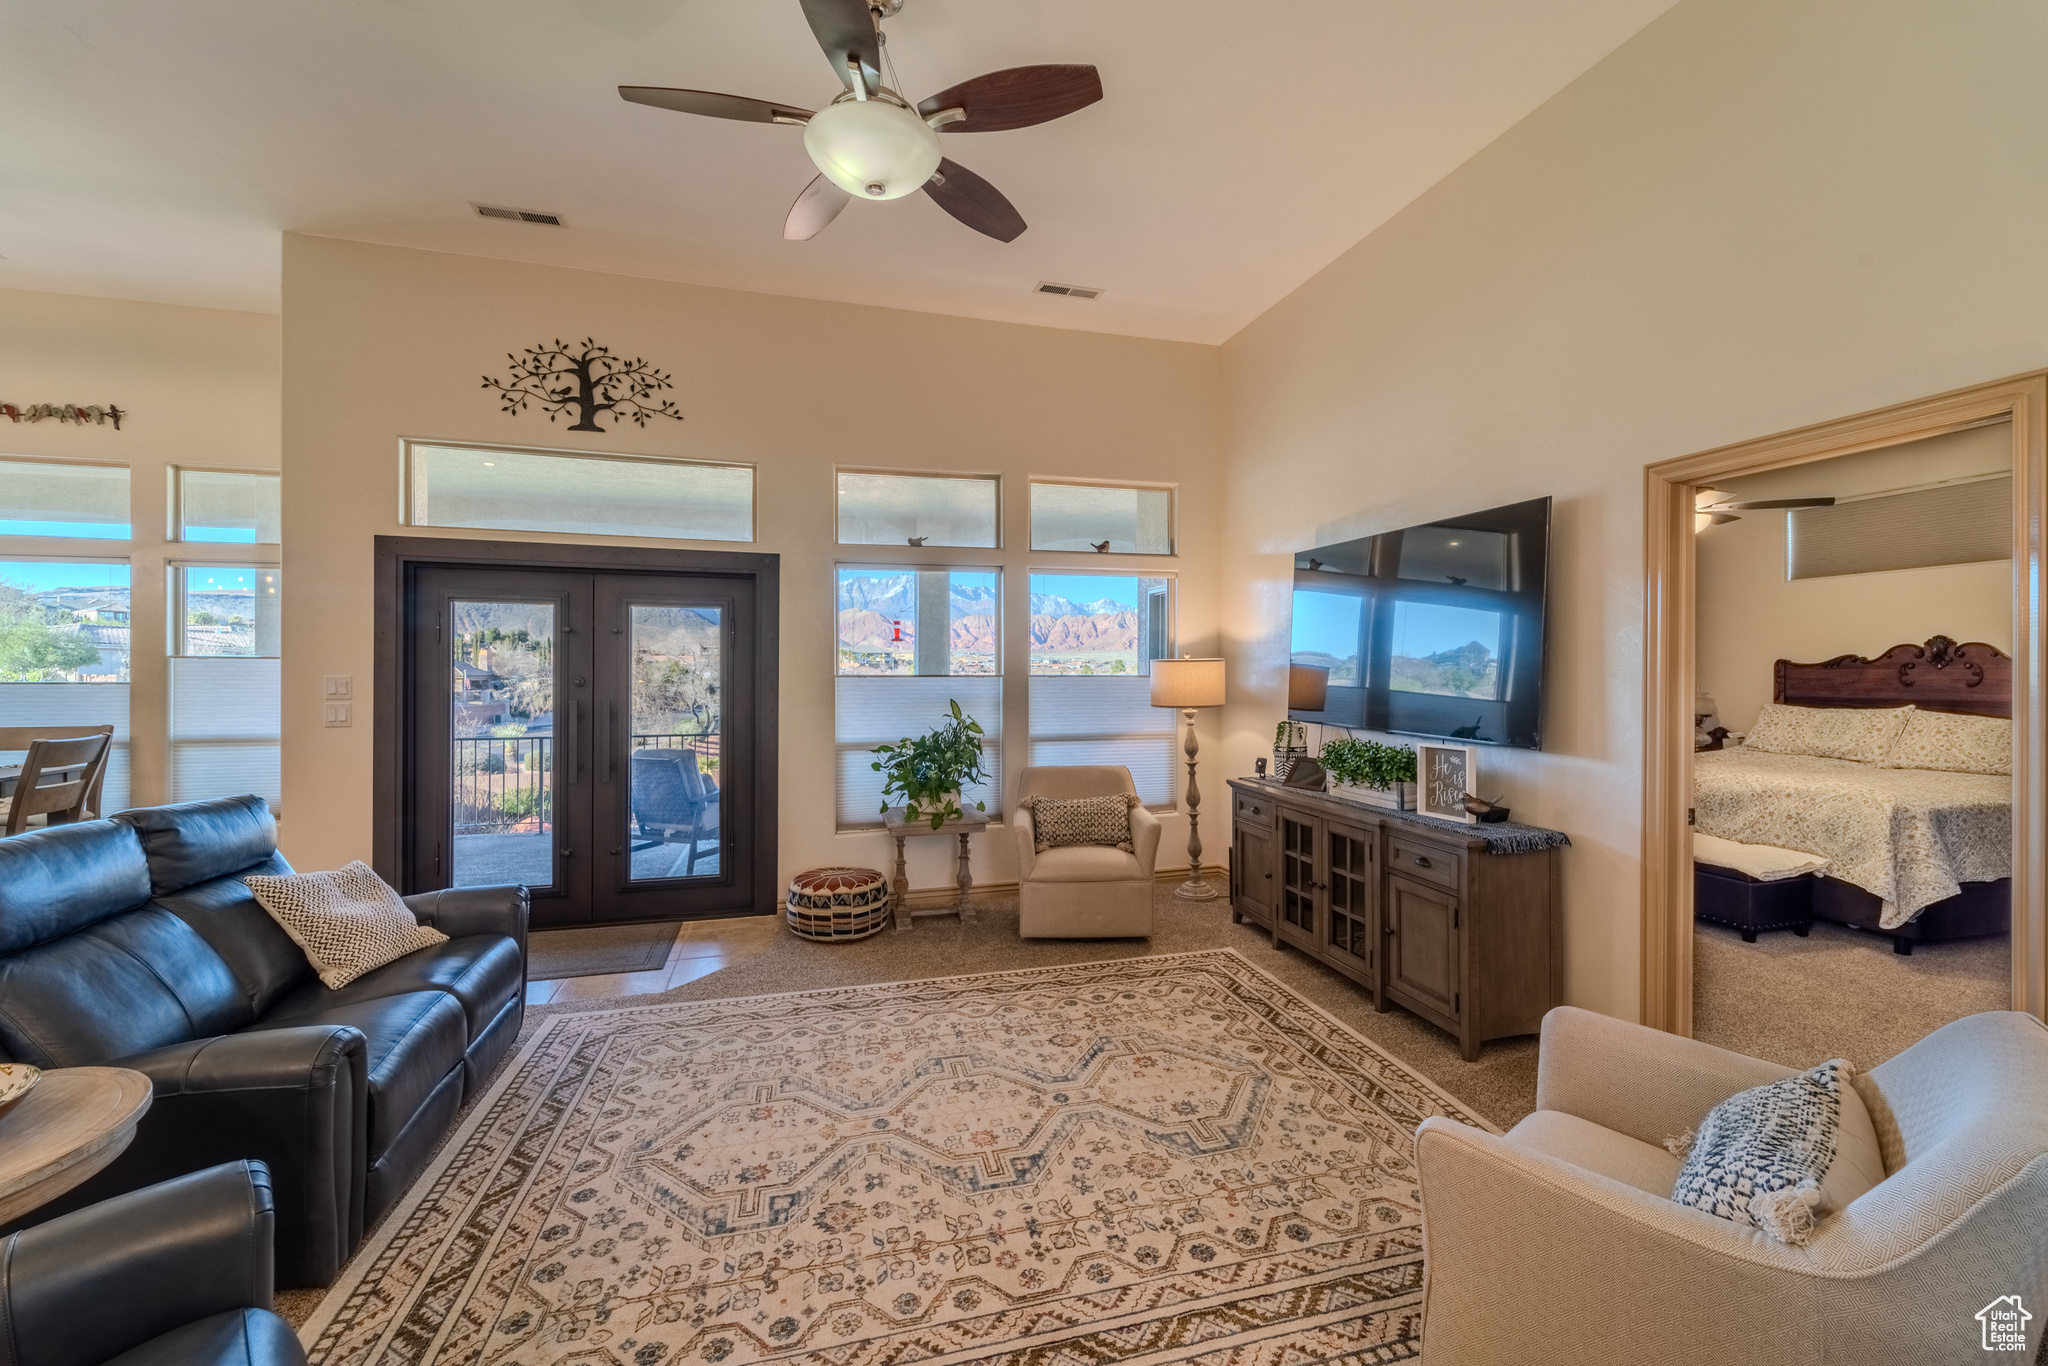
point(837, 905)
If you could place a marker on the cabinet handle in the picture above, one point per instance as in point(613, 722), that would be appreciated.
point(1422, 860)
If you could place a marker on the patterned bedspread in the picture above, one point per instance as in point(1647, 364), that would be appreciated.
point(1908, 836)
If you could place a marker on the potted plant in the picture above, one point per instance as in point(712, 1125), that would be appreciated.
point(1370, 772)
point(1290, 742)
point(928, 771)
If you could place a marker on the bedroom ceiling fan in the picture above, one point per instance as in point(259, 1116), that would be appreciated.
point(872, 143)
point(1712, 507)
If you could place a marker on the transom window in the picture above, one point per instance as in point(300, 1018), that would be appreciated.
point(234, 507)
point(917, 509)
point(51, 498)
point(1107, 518)
point(507, 489)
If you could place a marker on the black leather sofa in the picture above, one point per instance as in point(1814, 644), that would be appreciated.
point(132, 941)
point(175, 1275)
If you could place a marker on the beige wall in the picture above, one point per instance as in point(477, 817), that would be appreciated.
point(1751, 615)
point(199, 387)
point(1754, 215)
point(383, 343)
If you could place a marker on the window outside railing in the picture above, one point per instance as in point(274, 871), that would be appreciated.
point(505, 786)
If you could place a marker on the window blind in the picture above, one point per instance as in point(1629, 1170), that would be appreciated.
point(75, 704)
point(873, 711)
point(226, 725)
point(1079, 719)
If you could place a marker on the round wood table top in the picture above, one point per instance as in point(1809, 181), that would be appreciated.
point(74, 1122)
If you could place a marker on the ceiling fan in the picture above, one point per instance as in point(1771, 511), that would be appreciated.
point(871, 143)
point(1712, 507)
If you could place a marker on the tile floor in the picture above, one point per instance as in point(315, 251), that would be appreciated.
point(700, 949)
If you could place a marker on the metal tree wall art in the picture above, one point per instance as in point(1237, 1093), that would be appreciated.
point(585, 379)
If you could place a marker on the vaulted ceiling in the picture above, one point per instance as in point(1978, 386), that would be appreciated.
point(156, 151)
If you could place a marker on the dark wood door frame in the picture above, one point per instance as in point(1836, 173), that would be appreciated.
point(396, 557)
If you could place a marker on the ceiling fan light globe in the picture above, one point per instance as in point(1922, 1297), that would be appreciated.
point(872, 149)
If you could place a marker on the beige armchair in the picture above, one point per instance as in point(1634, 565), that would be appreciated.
point(1557, 1243)
point(1079, 891)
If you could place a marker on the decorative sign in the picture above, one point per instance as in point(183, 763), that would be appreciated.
point(1444, 774)
point(584, 380)
point(64, 412)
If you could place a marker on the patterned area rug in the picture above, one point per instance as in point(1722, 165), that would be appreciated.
point(1170, 1159)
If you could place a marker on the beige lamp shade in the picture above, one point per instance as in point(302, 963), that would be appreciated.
point(1308, 688)
point(1184, 683)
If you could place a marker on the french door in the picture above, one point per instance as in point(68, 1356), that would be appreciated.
point(588, 734)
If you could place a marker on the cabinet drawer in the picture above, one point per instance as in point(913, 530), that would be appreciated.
point(1254, 810)
point(1429, 863)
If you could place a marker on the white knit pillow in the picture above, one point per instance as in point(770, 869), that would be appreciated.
point(348, 922)
point(1760, 1155)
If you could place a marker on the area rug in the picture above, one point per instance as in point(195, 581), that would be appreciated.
point(1170, 1159)
point(599, 950)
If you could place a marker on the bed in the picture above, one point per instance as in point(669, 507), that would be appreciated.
point(1917, 854)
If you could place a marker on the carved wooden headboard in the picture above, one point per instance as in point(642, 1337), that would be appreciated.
point(1938, 676)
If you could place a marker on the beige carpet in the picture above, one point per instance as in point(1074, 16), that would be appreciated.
point(1170, 1158)
point(1838, 993)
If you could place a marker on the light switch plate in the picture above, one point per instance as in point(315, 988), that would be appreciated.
point(337, 687)
point(338, 714)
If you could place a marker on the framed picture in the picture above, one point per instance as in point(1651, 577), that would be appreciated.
point(1443, 775)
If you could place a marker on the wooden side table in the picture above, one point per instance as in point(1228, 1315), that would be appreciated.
point(75, 1121)
point(902, 829)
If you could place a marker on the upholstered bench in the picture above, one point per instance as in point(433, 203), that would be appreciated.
point(1753, 887)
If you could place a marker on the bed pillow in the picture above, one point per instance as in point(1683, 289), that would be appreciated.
point(348, 923)
point(1060, 821)
point(1862, 734)
point(1953, 744)
point(1778, 1156)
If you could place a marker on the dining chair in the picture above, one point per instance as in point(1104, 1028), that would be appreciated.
point(62, 802)
point(16, 738)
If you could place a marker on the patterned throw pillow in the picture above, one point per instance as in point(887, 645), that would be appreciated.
point(1864, 734)
point(1057, 821)
point(347, 922)
point(1953, 744)
point(1760, 1154)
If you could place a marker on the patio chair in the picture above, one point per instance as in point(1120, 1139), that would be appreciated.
point(673, 803)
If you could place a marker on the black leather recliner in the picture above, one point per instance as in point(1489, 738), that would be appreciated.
point(176, 1275)
point(133, 942)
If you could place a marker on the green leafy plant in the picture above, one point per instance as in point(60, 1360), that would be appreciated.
point(928, 771)
point(1369, 763)
point(1290, 735)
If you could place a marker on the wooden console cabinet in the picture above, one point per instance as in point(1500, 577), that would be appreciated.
point(1420, 913)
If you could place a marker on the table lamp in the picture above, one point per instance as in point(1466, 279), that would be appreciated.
point(1186, 684)
point(1308, 688)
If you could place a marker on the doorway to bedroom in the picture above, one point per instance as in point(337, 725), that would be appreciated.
point(1851, 796)
point(1923, 713)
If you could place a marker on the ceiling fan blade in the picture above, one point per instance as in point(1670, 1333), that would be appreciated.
point(974, 201)
point(1016, 98)
point(713, 105)
point(816, 207)
point(845, 28)
point(1758, 504)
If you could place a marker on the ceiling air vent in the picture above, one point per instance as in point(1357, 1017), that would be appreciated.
point(1071, 291)
point(552, 220)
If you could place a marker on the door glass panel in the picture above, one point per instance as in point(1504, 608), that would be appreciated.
point(1349, 893)
point(1297, 873)
point(675, 821)
point(501, 726)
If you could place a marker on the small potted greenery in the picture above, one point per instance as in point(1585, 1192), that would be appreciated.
point(1290, 742)
point(928, 771)
point(1370, 772)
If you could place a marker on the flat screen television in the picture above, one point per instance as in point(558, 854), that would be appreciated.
point(1433, 631)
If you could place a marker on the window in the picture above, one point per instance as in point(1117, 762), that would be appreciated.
point(1093, 640)
point(44, 498)
point(234, 507)
point(895, 679)
point(1118, 521)
point(916, 509)
point(225, 722)
point(64, 624)
point(593, 495)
